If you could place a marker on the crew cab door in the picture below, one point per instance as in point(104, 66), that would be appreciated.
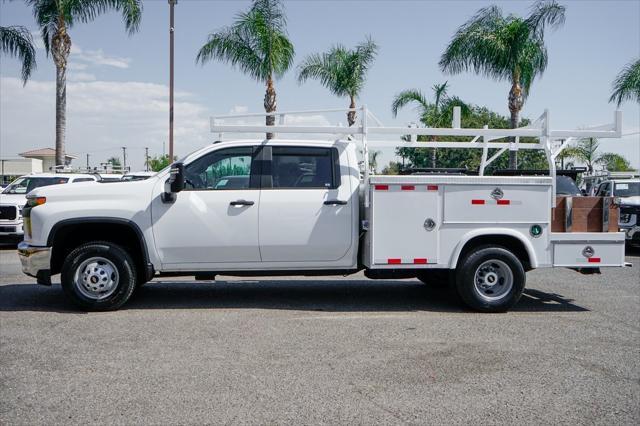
point(214, 220)
point(305, 207)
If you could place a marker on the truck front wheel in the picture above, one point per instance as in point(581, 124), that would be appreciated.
point(98, 276)
point(490, 279)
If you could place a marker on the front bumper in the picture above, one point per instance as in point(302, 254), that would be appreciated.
point(36, 262)
point(11, 229)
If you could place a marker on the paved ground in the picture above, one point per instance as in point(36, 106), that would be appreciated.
point(307, 350)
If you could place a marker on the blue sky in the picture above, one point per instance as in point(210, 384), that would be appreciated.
point(117, 91)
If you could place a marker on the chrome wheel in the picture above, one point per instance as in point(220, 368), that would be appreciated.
point(96, 278)
point(493, 280)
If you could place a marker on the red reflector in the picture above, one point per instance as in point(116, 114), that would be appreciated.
point(381, 187)
point(594, 260)
point(432, 187)
point(394, 261)
point(477, 201)
point(504, 202)
point(420, 261)
point(408, 187)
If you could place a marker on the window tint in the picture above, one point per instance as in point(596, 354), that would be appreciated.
point(220, 170)
point(566, 186)
point(301, 167)
point(83, 180)
point(627, 189)
point(27, 184)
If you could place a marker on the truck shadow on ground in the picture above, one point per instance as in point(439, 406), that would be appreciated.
point(318, 295)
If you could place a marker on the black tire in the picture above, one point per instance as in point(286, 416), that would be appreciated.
point(494, 261)
point(439, 278)
point(114, 255)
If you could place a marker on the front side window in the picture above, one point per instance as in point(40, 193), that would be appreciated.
point(220, 170)
point(302, 167)
point(27, 184)
point(78, 180)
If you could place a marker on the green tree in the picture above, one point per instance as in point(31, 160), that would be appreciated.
point(510, 48)
point(257, 44)
point(615, 162)
point(586, 152)
point(438, 113)
point(343, 71)
point(17, 41)
point(115, 162)
point(159, 162)
point(626, 86)
point(393, 168)
point(55, 18)
point(470, 159)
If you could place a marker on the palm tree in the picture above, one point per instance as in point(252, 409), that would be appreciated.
point(17, 41)
point(256, 43)
point(436, 114)
point(343, 71)
point(508, 48)
point(586, 151)
point(55, 18)
point(626, 86)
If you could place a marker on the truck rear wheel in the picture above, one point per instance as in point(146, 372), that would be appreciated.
point(98, 276)
point(490, 279)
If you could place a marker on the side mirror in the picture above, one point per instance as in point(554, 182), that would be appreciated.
point(174, 184)
point(176, 178)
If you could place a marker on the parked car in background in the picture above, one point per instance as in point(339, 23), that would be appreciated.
point(627, 195)
point(137, 176)
point(13, 198)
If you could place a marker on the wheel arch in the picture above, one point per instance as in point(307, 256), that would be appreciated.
point(69, 233)
point(507, 238)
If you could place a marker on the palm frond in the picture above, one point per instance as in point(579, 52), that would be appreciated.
point(626, 86)
point(88, 10)
point(406, 97)
point(229, 46)
point(545, 13)
point(17, 41)
point(341, 70)
point(45, 13)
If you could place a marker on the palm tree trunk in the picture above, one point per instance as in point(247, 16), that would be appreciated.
point(351, 115)
point(515, 105)
point(270, 105)
point(61, 47)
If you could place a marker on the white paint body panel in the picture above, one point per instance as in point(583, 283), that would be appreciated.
point(293, 230)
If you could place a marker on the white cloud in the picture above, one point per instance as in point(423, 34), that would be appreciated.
point(102, 117)
point(81, 76)
point(239, 109)
point(77, 66)
point(98, 58)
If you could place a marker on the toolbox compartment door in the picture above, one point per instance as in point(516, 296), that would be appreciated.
point(406, 221)
point(588, 249)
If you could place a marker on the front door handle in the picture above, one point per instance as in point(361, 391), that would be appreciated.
point(241, 203)
point(335, 203)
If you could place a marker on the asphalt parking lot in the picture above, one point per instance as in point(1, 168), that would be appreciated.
point(322, 351)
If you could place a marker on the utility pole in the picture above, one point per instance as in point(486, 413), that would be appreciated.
point(146, 158)
point(87, 162)
point(124, 159)
point(172, 4)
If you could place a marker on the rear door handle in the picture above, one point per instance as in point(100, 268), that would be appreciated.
point(241, 203)
point(335, 203)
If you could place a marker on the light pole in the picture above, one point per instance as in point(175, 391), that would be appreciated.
point(172, 3)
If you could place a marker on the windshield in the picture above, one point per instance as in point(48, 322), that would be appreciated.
point(27, 184)
point(566, 186)
point(627, 189)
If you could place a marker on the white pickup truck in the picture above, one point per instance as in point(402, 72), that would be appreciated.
point(299, 207)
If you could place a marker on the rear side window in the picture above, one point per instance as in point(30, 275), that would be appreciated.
point(304, 167)
point(83, 180)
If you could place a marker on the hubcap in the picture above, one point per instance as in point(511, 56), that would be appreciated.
point(96, 278)
point(493, 280)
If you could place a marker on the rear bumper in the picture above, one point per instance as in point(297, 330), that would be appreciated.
point(36, 262)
